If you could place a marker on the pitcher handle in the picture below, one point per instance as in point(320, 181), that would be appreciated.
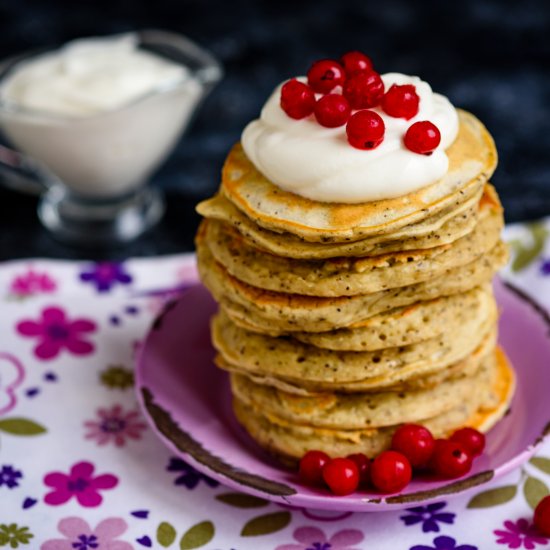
point(22, 173)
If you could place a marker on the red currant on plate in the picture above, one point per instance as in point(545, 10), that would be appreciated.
point(324, 75)
point(364, 89)
point(390, 472)
point(401, 101)
point(332, 110)
point(450, 459)
point(471, 439)
point(356, 61)
point(311, 467)
point(542, 516)
point(422, 137)
point(297, 99)
point(363, 465)
point(342, 476)
point(365, 130)
point(415, 442)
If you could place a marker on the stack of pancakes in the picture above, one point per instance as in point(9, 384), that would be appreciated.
point(340, 322)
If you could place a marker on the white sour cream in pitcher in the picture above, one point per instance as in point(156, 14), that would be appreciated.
point(94, 113)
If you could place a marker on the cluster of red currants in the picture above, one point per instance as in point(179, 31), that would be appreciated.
point(413, 448)
point(362, 88)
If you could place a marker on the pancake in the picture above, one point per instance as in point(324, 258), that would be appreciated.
point(363, 410)
point(348, 276)
point(317, 369)
point(445, 227)
point(472, 160)
point(290, 441)
point(404, 326)
point(465, 367)
point(268, 310)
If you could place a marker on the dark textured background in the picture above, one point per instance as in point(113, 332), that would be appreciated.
point(490, 57)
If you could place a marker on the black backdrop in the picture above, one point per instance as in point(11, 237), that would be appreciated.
point(490, 57)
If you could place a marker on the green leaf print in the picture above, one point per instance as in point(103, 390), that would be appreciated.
point(534, 491)
point(267, 524)
point(166, 534)
point(199, 535)
point(240, 500)
point(21, 426)
point(493, 497)
point(542, 463)
point(525, 255)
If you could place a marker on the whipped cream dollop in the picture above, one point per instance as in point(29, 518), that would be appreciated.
point(89, 76)
point(318, 163)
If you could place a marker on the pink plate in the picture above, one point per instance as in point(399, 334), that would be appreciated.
point(187, 402)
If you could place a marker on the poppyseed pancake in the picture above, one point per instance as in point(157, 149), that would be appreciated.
point(349, 276)
point(472, 160)
point(353, 276)
point(290, 440)
point(437, 230)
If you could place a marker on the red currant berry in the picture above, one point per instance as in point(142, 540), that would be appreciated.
point(311, 467)
point(450, 459)
point(324, 75)
point(422, 137)
point(401, 101)
point(364, 89)
point(390, 472)
point(332, 110)
point(363, 465)
point(356, 61)
point(471, 439)
point(415, 442)
point(341, 475)
point(365, 130)
point(542, 516)
point(297, 99)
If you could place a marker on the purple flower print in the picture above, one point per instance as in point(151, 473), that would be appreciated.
point(80, 536)
point(9, 476)
point(189, 476)
point(12, 375)
point(444, 543)
point(79, 483)
point(56, 332)
point(31, 283)
point(545, 266)
point(114, 426)
point(429, 516)
point(312, 538)
point(105, 275)
point(519, 534)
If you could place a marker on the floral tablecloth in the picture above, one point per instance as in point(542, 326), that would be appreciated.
point(80, 470)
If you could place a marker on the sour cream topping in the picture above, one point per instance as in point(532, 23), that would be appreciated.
point(318, 163)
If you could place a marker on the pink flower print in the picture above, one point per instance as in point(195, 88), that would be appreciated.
point(114, 425)
point(79, 483)
point(56, 332)
point(312, 538)
point(31, 283)
point(80, 536)
point(519, 534)
point(12, 375)
point(187, 273)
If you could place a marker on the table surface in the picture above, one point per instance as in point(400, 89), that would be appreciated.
point(78, 461)
point(490, 57)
